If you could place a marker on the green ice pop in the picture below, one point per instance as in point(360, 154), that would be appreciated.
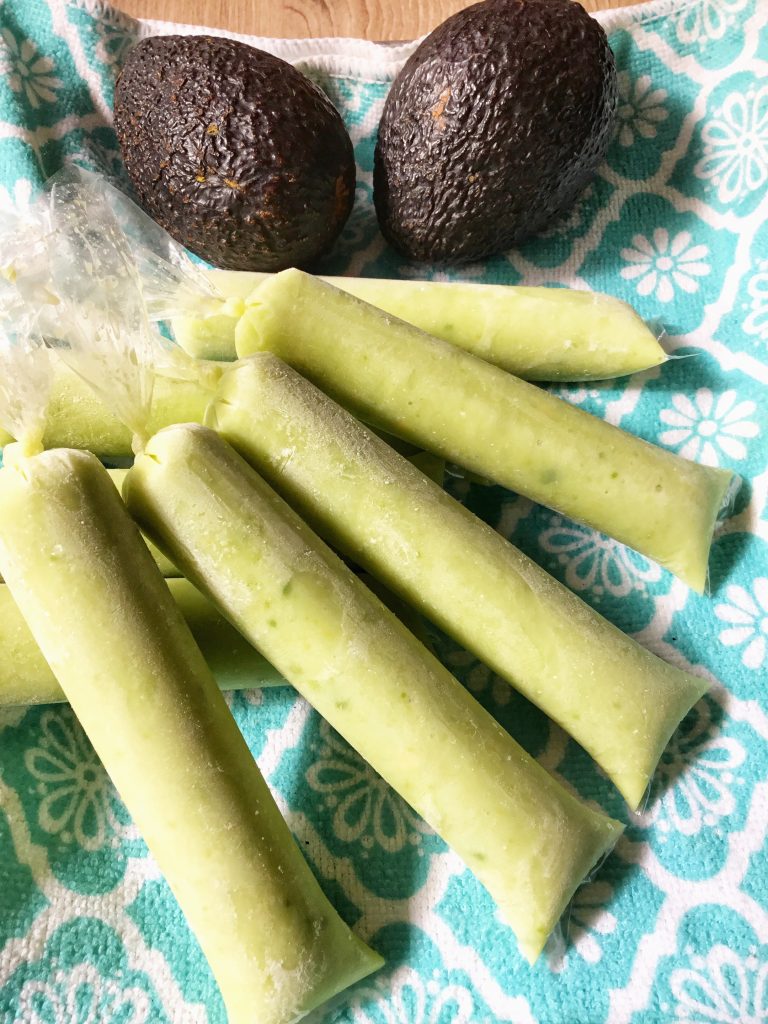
point(116, 641)
point(619, 701)
point(26, 678)
point(524, 836)
point(470, 412)
point(77, 418)
point(535, 333)
point(167, 568)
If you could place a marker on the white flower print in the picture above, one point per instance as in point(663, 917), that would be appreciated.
point(702, 427)
point(78, 799)
point(81, 995)
point(641, 109)
point(747, 615)
point(721, 988)
point(696, 776)
point(709, 19)
point(735, 140)
point(405, 998)
point(661, 263)
point(597, 562)
point(28, 73)
point(756, 321)
point(365, 809)
point(479, 678)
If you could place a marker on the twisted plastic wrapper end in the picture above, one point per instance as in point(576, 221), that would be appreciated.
point(171, 283)
point(25, 366)
point(102, 329)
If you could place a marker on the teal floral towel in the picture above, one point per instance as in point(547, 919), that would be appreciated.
point(674, 927)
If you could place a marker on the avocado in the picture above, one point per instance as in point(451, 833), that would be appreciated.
point(238, 155)
point(493, 127)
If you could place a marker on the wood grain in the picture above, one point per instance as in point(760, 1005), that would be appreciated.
point(366, 19)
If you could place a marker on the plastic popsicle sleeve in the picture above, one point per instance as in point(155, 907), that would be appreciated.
point(527, 839)
point(619, 701)
point(474, 414)
point(75, 563)
point(544, 334)
point(26, 678)
point(74, 560)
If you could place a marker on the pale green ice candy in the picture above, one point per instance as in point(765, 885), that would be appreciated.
point(469, 412)
point(525, 837)
point(116, 641)
point(535, 333)
point(619, 701)
point(166, 567)
point(77, 418)
point(26, 678)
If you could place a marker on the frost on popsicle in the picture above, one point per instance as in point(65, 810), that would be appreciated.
point(108, 627)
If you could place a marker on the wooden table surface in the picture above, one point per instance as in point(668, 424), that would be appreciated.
point(368, 19)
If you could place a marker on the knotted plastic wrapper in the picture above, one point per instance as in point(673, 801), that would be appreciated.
point(104, 250)
point(172, 284)
point(102, 330)
point(25, 370)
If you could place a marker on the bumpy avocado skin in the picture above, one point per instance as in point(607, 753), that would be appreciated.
point(233, 151)
point(493, 127)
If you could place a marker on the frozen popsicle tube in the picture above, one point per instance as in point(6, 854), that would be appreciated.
point(77, 418)
point(166, 567)
point(615, 698)
point(118, 645)
point(525, 837)
point(26, 677)
point(535, 333)
point(470, 412)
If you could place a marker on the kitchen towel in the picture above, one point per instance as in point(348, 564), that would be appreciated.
point(674, 926)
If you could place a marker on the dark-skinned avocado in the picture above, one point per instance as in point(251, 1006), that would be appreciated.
point(493, 127)
point(238, 155)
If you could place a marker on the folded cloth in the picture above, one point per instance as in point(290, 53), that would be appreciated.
point(675, 925)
